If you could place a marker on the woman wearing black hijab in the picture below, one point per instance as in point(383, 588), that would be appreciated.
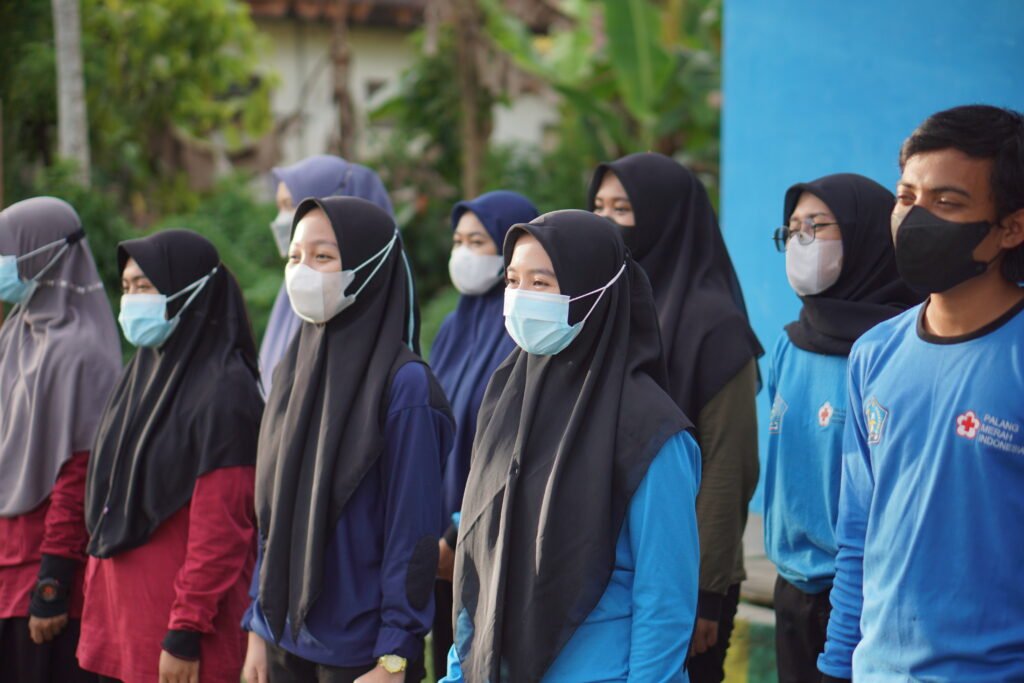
point(169, 494)
point(577, 556)
point(841, 263)
point(351, 450)
point(670, 227)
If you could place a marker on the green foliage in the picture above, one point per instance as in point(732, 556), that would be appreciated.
point(425, 112)
point(648, 80)
point(157, 72)
point(432, 314)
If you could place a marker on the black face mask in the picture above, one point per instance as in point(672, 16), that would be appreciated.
point(934, 255)
point(630, 235)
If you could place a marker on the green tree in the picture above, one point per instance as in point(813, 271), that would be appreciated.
point(633, 75)
point(157, 72)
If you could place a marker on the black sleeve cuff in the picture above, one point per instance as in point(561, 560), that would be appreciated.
point(61, 570)
point(57, 567)
point(709, 605)
point(451, 536)
point(825, 678)
point(183, 644)
point(47, 609)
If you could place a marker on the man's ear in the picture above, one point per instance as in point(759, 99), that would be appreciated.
point(1012, 235)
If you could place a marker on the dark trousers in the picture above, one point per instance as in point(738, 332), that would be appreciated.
point(443, 634)
point(284, 667)
point(709, 667)
point(22, 661)
point(801, 623)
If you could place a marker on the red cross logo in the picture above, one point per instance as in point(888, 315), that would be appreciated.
point(825, 414)
point(967, 425)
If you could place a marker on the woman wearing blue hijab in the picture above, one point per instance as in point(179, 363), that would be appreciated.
point(317, 176)
point(471, 344)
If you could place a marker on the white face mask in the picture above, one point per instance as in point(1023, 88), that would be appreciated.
point(317, 297)
point(474, 274)
point(281, 226)
point(813, 268)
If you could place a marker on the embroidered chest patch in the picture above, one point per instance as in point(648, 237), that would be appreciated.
point(825, 413)
point(967, 425)
point(876, 416)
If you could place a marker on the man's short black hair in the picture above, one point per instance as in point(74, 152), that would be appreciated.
point(980, 132)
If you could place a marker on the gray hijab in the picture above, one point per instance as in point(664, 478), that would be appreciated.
point(59, 354)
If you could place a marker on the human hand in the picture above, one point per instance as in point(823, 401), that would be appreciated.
point(445, 561)
point(255, 668)
point(174, 670)
point(44, 629)
point(705, 636)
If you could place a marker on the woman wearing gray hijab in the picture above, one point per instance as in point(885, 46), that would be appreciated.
point(59, 359)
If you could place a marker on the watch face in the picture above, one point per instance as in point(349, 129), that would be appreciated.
point(393, 664)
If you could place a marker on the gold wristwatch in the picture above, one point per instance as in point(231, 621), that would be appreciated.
point(393, 664)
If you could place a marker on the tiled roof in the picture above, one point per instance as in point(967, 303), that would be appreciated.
point(402, 13)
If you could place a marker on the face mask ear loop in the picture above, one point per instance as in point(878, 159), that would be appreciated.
point(602, 290)
point(53, 261)
point(196, 287)
point(412, 300)
point(382, 254)
point(64, 242)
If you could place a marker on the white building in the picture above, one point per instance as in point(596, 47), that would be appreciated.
point(300, 33)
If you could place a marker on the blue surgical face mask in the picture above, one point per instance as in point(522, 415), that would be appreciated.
point(538, 322)
point(15, 290)
point(143, 317)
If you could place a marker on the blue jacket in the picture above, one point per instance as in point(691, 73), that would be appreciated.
point(365, 609)
point(640, 629)
point(803, 464)
point(931, 510)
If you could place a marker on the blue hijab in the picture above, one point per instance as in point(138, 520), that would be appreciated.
point(472, 341)
point(318, 176)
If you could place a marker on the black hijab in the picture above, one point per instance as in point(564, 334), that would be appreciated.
point(704, 325)
point(323, 429)
point(869, 289)
point(188, 408)
point(562, 444)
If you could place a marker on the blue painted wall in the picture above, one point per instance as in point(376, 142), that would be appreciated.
point(818, 87)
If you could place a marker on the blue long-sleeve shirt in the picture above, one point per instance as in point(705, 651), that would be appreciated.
point(377, 595)
point(804, 463)
point(931, 509)
point(640, 629)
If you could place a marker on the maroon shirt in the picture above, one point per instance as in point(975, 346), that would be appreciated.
point(192, 574)
point(55, 527)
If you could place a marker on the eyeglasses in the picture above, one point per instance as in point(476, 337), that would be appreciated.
point(805, 234)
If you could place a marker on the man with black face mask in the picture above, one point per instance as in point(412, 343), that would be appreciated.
point(931, 511)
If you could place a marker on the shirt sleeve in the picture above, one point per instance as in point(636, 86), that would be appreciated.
point(662, 523)
point(727, 426)
point(855, 494)
point(221, 533)
point(454, 668)
point(65, 533)
point(254, 586)
point(418, 437)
